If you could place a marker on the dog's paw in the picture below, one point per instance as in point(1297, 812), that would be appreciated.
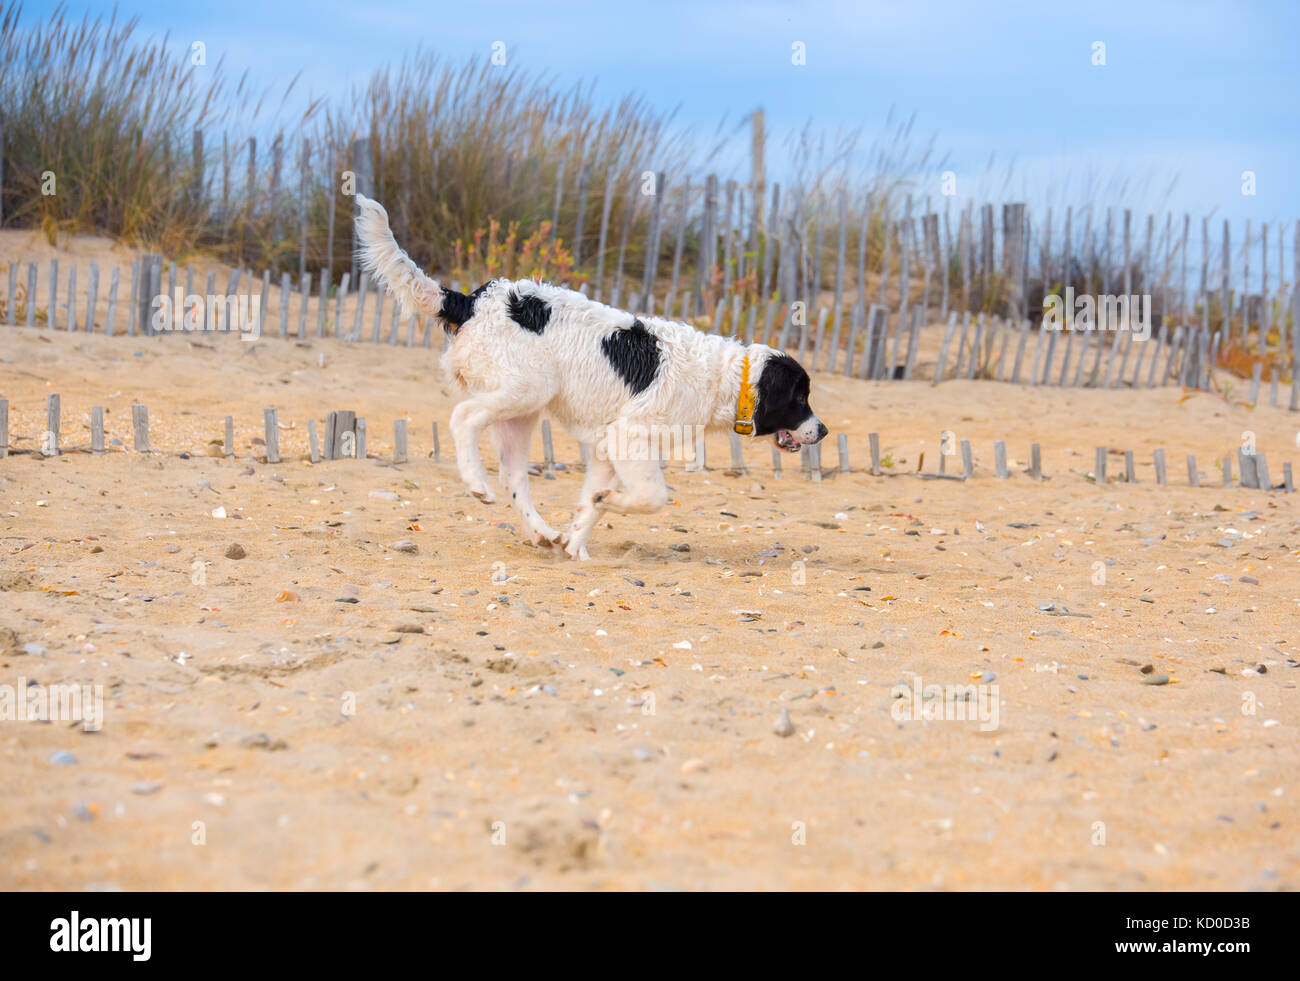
point(549, 538)
point(579, 553)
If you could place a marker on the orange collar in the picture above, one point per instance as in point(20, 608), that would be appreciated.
point(745, 403)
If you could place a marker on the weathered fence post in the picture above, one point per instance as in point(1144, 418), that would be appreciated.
point(50, 444)
point(737, 455)
point(399, 441)
point(97, 430)
point(548, 447)
point(140, 427)
point(272, 427)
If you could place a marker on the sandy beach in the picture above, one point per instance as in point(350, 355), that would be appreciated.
point(336, 709)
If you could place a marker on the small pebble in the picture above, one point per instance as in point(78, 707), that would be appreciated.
point(783, 726)
point(405, 545)
point(235, 551)
point(1156, 679)
point(63, 758)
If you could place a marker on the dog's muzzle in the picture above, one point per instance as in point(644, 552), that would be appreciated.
point(810, 432)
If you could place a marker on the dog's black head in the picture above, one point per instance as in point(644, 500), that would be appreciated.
point(783, 411)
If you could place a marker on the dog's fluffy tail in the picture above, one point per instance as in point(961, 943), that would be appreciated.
point(384, 259)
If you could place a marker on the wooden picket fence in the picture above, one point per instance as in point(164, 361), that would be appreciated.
point(346, 438)
point(878, 343)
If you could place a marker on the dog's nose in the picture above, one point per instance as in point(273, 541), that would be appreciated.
point(821, 432)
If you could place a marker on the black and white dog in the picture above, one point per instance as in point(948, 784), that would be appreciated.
point(523, 348)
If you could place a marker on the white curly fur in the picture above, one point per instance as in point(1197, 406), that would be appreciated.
point(513, 375)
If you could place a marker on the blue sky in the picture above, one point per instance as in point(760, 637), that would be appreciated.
point(1198, 91)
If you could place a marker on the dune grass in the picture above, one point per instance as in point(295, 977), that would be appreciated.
point(110, 132)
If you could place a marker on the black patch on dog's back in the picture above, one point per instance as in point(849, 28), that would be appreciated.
point(529, 312)
point(457, 307)
point(634, 354)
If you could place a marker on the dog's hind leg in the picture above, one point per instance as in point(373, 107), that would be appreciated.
point(642, 489)
point(601, 478)
point(482, 409)
point(513, 438)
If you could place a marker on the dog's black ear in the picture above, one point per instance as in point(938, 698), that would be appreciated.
point(457, 307)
